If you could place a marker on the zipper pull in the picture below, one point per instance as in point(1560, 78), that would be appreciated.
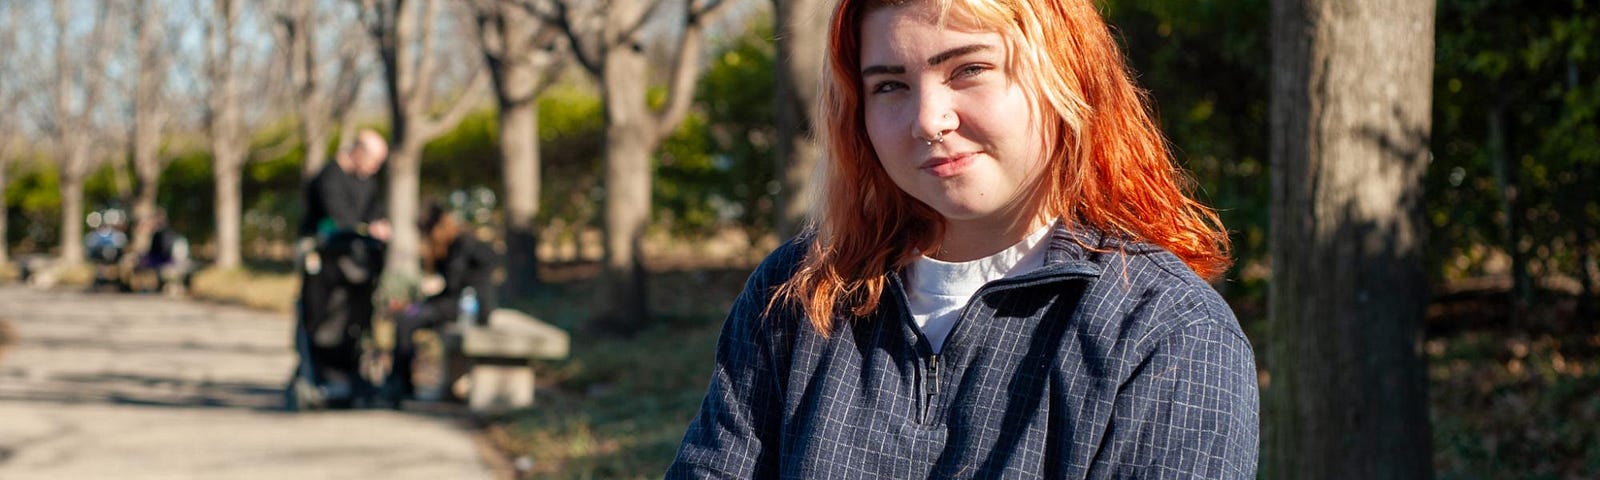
point(933, 376)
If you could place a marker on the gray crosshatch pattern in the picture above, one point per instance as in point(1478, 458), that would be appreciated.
point(1115, 362)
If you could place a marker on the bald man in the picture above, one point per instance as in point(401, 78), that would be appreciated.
point(344, 196)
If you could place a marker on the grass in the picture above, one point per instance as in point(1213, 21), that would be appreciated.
point(260, 289)
point(619, 406)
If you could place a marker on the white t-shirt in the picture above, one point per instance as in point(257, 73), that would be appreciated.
point(937, 290)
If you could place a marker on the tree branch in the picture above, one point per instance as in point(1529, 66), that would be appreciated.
point(680, 89)
point(435, 126)
point(587, 53)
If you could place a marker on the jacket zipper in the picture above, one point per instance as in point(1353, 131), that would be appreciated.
point(931, 394)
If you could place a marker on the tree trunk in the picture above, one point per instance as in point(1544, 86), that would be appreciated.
point(1588, 313)
point(802, 24)
point(1505, 178)
point(5, 213)
point(148, 170)
point(226, 173)
point(316, 146)
point(404, 167)
point(147, 126)
point(1350, 126)
point(630, 138)
point(72, 210)
point(519, 148)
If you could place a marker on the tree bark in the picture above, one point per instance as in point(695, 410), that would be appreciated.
point(1511, 232)
point(71, 188)
point(802, 25)
point(228, 209)
point(519, 150)
point(1351, 116)
point(5, 211)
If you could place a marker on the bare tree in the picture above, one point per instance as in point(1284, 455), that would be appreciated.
point(801, 26)
point(151, 112)
point(606, 39)
point(405, 37)
point(323, 85)
point(521, 53)
point(225, 124)
point(9, 90)
point(1350, 126)
point(79, 83)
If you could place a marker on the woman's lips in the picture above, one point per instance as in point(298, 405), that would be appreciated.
point(946, 167)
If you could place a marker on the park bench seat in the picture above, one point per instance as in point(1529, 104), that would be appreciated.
point(497, 358)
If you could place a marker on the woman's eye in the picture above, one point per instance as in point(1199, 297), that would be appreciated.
point(968, 71)
point(885, 87)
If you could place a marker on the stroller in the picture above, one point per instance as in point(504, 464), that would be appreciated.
point(333, 315)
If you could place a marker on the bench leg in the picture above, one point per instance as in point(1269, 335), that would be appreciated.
point(498, 388)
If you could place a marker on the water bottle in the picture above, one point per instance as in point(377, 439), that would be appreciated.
point(469, 307)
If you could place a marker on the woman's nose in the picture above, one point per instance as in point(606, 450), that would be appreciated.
point(934, 117)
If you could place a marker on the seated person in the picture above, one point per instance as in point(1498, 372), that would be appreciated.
point(453, 252)
point(104, 244)
point(168, 254)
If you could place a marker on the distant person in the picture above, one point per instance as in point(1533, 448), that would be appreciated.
point(341, 248)
point(345, 195)
point(106, 240)
point(104, 246)
point(466, 265)
point(168, 253)
point(1005, 279)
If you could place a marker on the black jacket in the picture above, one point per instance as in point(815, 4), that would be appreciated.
point(468, 263)
point(342, 199)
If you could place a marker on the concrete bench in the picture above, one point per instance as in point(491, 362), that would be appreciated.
point(497, 358)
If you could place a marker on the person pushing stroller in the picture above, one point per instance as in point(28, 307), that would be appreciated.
point(341, 251)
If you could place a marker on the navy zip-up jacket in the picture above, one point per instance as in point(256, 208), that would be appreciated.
point(1112, 362)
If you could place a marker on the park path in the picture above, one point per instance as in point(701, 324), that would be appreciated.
point(120, 386)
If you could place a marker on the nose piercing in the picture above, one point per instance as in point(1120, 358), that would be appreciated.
point(939, 139)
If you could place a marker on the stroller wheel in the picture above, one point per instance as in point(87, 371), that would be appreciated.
point(301, 394)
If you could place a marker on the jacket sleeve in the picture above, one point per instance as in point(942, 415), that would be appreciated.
point(336, 204)
point(1190, 408)
point(735, 434)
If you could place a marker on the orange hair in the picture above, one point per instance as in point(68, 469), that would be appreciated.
point(1108, 164)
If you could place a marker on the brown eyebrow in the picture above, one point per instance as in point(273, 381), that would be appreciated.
point(955, 52)
point(934, 60)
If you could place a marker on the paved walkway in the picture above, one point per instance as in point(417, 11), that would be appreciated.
point(128, 387)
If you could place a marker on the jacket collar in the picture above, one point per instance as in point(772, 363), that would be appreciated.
point(1084, 250)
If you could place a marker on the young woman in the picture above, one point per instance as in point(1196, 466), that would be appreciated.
point(455, 254)
point(1006, 277)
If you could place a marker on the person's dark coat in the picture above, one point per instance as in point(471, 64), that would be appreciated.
point(1109, 362)
point(337, 201)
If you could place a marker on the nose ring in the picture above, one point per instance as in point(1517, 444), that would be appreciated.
point(939, 139)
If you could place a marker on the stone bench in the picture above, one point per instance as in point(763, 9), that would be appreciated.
point(497, 358)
